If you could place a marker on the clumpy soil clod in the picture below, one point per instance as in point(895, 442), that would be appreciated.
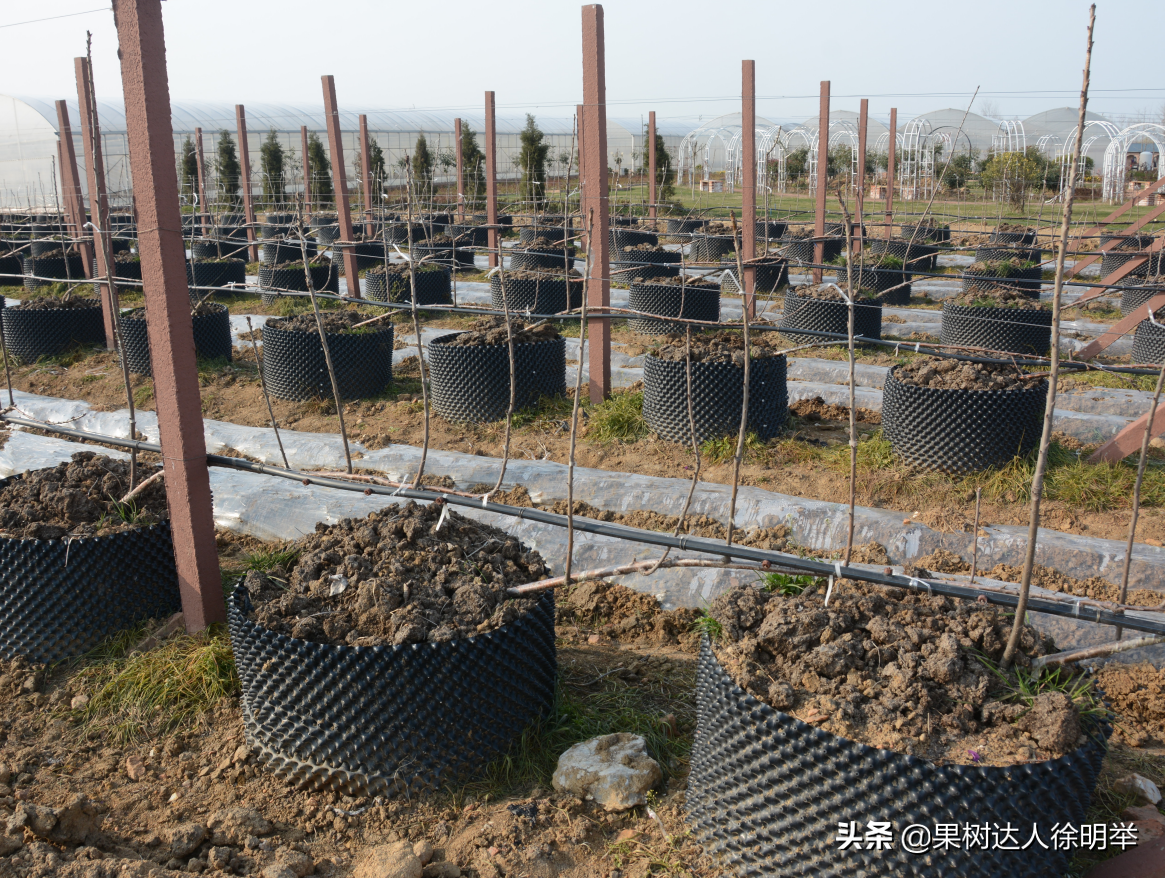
point(942, 374)
point(56, 303)
point(79, 499)
point(334, 322)
point(394, 578)
point(492, 331)
point(999, 297)
point(894, 670)
point(712, 347)
point(829, 292)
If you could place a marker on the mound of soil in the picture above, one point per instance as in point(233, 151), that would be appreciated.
point(541, 245)
point(829, 292)
point(441, 240)
point(999, 297)
point(676, 282)
point(202, 309)
point(817, 409)
point(627, 616)
point(56, 303)
point(492, 331)
point(401, 269)
point(79, 499)
point(334, 322)
point(126, 256)
point(942, 374)
point(713, 347)
point(393, 577)
point(645, 248)
point(1137, 694)
point(894, 670)
point(540, 276)
point(1002, 268)
point(1014, 227)
point(799, 233)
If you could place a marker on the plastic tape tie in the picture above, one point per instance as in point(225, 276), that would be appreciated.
point(916, 344)
point(444, 512)
point(828, 591)
point(929, 590)
point(837, 569)
point(485, 499)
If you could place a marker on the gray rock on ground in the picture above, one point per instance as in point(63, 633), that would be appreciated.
point(614, 770)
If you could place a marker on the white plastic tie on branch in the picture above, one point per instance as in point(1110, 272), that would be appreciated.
point(914, 582)
point(406, 258)
point(828, 591)
point(840, 291)
point(485, 499)
point(837, 569)
point(444, 512)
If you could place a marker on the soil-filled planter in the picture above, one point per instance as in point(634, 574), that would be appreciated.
point(1014, 330)
point(204, 248)
point(1028, 280)
point(129, 269)
point(802, 249)
point(273, 229)
point(1149, 343)
point(891, 284)
point(767, 792)
point(957, 431)
point(71, 267)
point(11, 267)
point(918, 256)
point(771, 275)
point(823, 315)
point(709, 248)
point(543, 258)
point(218, 273)
point(85, 590)
point(325, 279)
point(1027, 237)
point(472, 384)
point(529, 234)
point(398, 232)
point(717, 398)
point(671, 300)
point(294, 366)
point(386, 720)
point(434, 286)
point(212, 337)
point(369, 254)
point(1133, 298)
point(34, 333)
point(443, 254)
point(934, 234)
point(646, 263)
point(275, 252)
point(771, 230)
point(468, 235)
point(679, 231)
point(326, 228)
point(999, 254)
point(546, 294)
point(1110, 262)
point(620, 238)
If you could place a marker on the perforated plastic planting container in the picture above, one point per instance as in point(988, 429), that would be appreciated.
point(294, 366)
point(822, 315)
point(767, 793)
point(32, 334)
point(387, 720)
point(1014, 330)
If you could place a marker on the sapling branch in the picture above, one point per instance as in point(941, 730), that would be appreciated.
point(266, 395)
point(853, 405)
point(738, 458)
point(582, 341)
point(417, 320)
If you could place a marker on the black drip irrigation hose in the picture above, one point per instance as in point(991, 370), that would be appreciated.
point(820, 569)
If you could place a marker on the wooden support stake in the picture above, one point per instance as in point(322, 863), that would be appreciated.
point(98, 198)
point(74, 197)
point(822, 174)
point(179, 406)
point(366, 172)
point(248, 199)
point(593, 134)
point(340, 184)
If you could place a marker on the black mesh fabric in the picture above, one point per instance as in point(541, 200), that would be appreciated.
point(717, 398)
point(1027, 238)
point(958, 431)
point(1017, 331)
point(294, 366)
point(31, 335)
point(1149, 343)
point(389, 720)
point(767, 792)
point(61, 598)
point(671, 300)
point(821, 315)
point(472, 384)
point(1110, 262)
point(1133, 298)
point(545, 295)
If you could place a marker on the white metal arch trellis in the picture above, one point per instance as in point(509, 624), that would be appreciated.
point(1115, 171)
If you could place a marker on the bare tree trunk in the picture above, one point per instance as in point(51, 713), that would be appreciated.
point(1053, 379)
point(740, 436)
point(266, 396)
point(582, 338)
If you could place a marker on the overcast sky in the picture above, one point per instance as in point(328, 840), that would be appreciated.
point(680, 58)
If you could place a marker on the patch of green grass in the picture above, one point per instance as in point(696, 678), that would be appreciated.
point(1095, 378)
point(786, 583)
point(549, 412)
point(157, 690)
point(874, 452)
point(126, 513)
point(709, 626)
point(70, 357)
point(211, 366)
point(618, 419)
point(144, 395)
point(1023, 686)
point(723, 449)
point(264, 561)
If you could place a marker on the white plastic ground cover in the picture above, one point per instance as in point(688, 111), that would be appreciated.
point(816, 524)
point(279, 509)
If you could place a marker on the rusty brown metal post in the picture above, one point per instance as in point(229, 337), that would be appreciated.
point(491, 180)
point(822, 179)
point(748, 190)
point(179, 406)
point(860, 196)
point(593, 134)
point(366, 172)
point(95, 168)
point(307, 202)
point(890, 156)
point(460, 187)
point(651, 193)
point(203, 204)
point(248, 201)
point(71, 186)
point(340, 183)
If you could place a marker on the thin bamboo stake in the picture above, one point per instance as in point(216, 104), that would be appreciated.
point(582, 341)
point(975, 538)
point(739, 457)
point(266, 396)
point(1137, 491)
point(1037, 489)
